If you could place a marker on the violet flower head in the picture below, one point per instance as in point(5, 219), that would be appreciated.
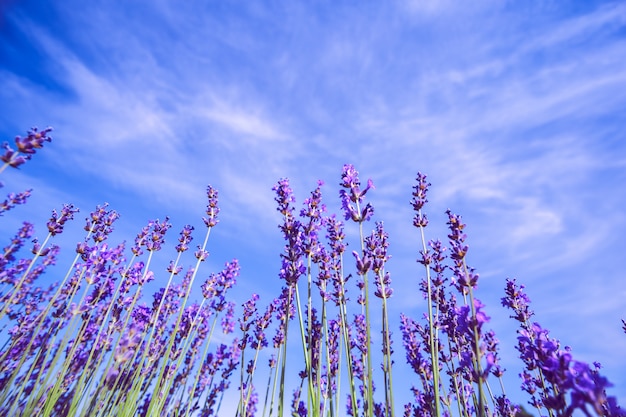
point(14, 200)
point(284, 197)
point(517, 301)
point(100, 222)
point(313, 206)
point(217, 284)
point(260, 324)
point(26, 147)
point(57, 221)
point(360, 340)
point(469, 324)
point(228, 321)
point(7, 255)
point(141, 239)
point(292, 265)
point(413, 346)
point(563, 376)
point(456, 236)
point(419, 200)
point(376, 251)
point(313, 210)
point(352, 195)
point(185, 238)
point(335, 235)
point(157, 237)
point(284, 310)
point(212, 209)
point(249, 309)
point(464, 277)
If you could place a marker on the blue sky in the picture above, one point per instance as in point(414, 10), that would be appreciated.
point(515, 110)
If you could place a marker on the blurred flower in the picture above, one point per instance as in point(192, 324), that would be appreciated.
point(26, 147)
point(352, 195)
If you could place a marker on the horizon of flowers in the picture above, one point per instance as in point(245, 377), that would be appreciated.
point(87, 345)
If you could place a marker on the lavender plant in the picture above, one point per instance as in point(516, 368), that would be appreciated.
point(96, 344)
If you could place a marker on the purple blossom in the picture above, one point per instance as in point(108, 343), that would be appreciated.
point(57, 221)
point(201, 254)
point(228, 321)
point(26, 147)
point(376, 251)
point(464, 277)
point(249, 309)
point(517, 301)
point(414, 348)
point(284, 310)
point(298, 407)
point(100, 222)
point(551, 372)
point(184, 239)
point(313, 211)
point(352, 196)
point(292, 263)
point(420, 190)
point(14, 200)
point(152, 236)
point(261, 323)
point(17, 242)
point(212, 209)
point(216, 285)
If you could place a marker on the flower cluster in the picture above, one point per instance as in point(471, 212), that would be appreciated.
point(352, 195)
point(551, 374)
point(94, 344)
point(26, 147)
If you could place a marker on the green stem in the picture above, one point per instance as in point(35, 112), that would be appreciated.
point(434, 341)
point(154, 407)
point(7, 304)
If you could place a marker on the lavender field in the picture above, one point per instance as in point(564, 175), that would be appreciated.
point(97, 343)
point(384, 208)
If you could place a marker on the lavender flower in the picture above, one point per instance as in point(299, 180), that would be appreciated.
point(517, 301)
point(313, 210)
point(292, 264)
point(556, 372)
point(212, 209)
point(26, 147)
point(249, 309)
point(100, 222)
point(376, 250)
point(56, 222)
point(464, 277)
point(14, 200)
point(419, 200)
point(352, 195)
point(184, 239)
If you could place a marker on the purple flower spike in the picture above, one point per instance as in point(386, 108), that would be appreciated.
point(185, 238)
point(212, 209)
point(352, 194)
point(100, 222)
point(152, 236)
point(249, 308)
point(517, 301)
point(56, 222)
point(292, 264)
point(419, 200)
point(157, 238)
point(14, 200)
point(26, 147)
